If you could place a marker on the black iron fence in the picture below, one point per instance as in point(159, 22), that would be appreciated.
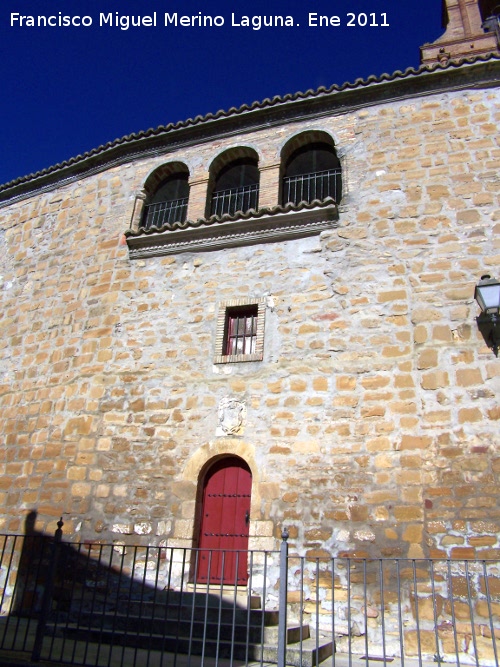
point(98, 604)
point(235, 199)
point(492, 23)
point(161, 213)
point(308, 187)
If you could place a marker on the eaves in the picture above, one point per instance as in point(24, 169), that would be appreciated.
point(463, 74)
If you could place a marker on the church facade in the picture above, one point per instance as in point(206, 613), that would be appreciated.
point(264, 319)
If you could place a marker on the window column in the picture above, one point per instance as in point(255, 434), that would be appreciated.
point(198, 190)
point(269, 185)
point(139, 202)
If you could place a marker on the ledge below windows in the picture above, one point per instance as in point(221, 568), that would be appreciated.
point(265, 225)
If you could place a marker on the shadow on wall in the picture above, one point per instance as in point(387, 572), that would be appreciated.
point(113, 595)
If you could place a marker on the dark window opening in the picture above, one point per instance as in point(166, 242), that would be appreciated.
point(169, 202)
point(241, 330)
point(490, 15)
point(236, 188)
point(312, 172)
point(489, 8)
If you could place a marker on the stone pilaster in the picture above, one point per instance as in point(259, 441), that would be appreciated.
point(269, 189)
point(198, 190)
point(140, 200)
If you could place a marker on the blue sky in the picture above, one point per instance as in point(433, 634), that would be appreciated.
point(67, 90)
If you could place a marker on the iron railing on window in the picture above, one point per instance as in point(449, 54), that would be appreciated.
point(308, 187)
point(161, 213)
point(242, 332)
point(492, 24)
point(235, 199)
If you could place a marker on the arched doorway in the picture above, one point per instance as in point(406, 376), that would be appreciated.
point(225, 521)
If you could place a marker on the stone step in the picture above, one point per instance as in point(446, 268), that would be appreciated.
point(305, 653)
point(174, 612)
point(182, 628)
point(231, 595)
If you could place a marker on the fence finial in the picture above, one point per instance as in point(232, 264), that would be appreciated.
point(58, 533)
point(283, 597)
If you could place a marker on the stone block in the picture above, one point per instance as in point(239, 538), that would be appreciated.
point(468, 377)
point(435, 380)
point(469, 415)
point(415, 442)
point(394, 295)
point(81, 490)
point(78, 473)
point(427, 359)
point(320, 384)
point(345, 383)
point(463, 553)
point(378, 444)
point(408, 513)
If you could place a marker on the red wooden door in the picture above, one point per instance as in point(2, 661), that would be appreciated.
point(225, 521)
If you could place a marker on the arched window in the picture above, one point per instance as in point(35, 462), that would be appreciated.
point(490, 15)
point(311, 170)
point(167, 197)
point(235, 183)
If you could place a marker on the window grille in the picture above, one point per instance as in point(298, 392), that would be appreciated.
point(161, 213)
point(240, 330)
point(235, 199)
point(308, 187)
point(241, 336)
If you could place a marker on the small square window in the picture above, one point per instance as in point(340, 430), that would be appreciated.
point(240, 331)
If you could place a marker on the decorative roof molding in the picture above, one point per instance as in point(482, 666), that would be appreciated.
point(265, 225)
point(479, 71)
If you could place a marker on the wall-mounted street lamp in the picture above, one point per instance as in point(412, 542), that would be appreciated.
point(487, 294)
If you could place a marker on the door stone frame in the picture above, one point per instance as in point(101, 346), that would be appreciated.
point(263, 534)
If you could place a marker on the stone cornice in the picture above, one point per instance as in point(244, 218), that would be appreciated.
point(481, 71)
point(266, 225)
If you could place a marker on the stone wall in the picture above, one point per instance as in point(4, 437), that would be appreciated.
point(371, 425)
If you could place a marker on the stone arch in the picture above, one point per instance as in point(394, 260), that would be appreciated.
point(304, 138)
point(166, 192)
point(200, 462)
point(230, 155)
point(209, 453)
point(234, 172)
point(305, 160)
point(210, 463)
point(161, 173)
